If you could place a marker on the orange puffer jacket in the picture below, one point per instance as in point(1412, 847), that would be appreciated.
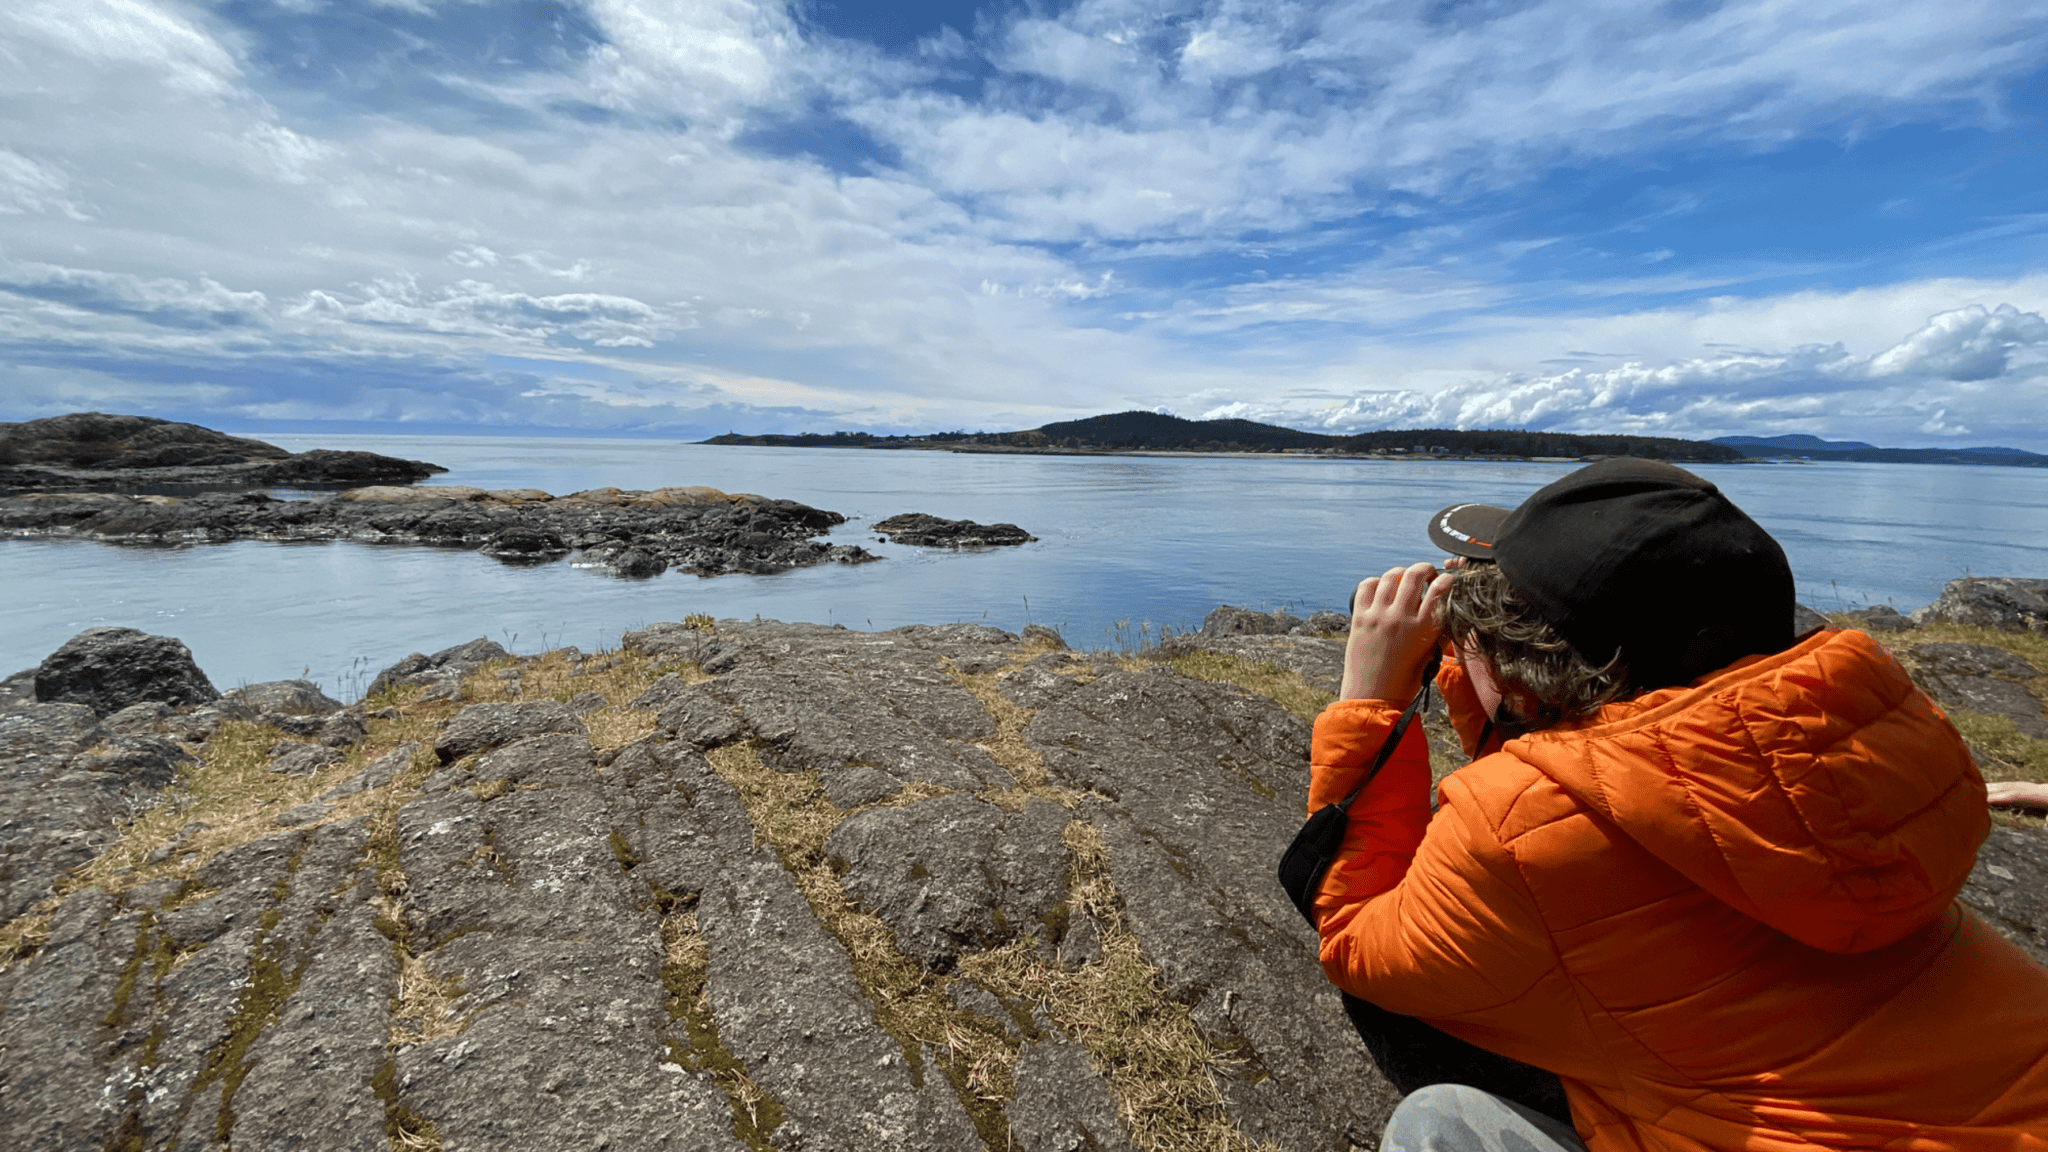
point(1723, 914)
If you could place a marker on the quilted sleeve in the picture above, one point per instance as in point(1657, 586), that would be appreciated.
point(1426, 917)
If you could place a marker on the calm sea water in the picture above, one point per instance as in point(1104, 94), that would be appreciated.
point(1126, 545)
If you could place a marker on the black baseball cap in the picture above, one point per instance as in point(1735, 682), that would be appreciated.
point(1637, 557)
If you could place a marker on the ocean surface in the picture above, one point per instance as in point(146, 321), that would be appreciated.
point(1127, 545)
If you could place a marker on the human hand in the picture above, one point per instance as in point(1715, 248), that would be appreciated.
point(2016, 794)
point(1393, 630)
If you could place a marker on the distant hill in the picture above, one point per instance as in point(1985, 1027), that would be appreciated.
point(1814, 448)
point(1154, 431)
point(1797, 440)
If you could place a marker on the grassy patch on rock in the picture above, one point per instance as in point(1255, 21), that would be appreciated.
point(685, 970)
point(1145, 1044)
point(1277, 684)
point(792, 817)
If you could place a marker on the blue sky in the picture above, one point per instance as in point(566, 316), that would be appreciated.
point(1682, 218)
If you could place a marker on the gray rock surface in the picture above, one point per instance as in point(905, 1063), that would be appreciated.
point(956, 873)
point(482, 726)
point(2000, 603)
point(281, 698)
point(556, 945)
point(64, 787)
point(1062, 1104)
point(1980, 678)
point(108, 669)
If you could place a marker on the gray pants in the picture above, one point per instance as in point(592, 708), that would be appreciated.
point(1454, 1118)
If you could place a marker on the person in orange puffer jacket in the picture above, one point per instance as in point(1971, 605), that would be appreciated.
point(1703, 871)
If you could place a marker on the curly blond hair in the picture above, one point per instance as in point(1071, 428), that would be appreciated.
point(1543, 679)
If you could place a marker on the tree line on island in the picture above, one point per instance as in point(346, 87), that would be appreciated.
point(1156, 431)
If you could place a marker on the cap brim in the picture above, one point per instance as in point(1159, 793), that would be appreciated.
point(1467, 529)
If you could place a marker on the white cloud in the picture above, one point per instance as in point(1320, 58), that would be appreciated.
point(157, 36)
point(1968, 344)
point(1271, 116)
point(29, 186)
point(1814, 386)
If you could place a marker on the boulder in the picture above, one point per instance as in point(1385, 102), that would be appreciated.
point(2000, 603)
point(1230, 621)
point(447, 664)
point(524, 545)
point(1876, 618)
point(281, 698)
point(108, 669)
point(482, 726)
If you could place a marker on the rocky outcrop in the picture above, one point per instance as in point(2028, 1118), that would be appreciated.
point(927, 531)
point(634, 534)
point(736, 885)
point(2000, 603)
point(108, 669)
point(97, 452)
point(1226, 620)
point(1982, 679)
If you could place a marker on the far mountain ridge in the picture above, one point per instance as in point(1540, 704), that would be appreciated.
point(1803, 446)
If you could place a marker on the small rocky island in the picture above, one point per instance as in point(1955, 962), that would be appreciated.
point(97, 452)
point(631, 534)
point(139, 480)
point(733, 885)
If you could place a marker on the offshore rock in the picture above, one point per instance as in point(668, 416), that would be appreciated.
point(927, 531)
point(697, 530)
point(108, 669)
point(97, 452)
point(2000, 603)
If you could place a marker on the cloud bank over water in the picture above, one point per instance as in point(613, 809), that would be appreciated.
point(1691, 219)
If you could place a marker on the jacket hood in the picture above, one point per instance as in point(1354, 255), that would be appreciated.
point(1816, 790)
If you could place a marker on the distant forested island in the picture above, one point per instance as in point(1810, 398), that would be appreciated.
point(1157, 432)
point(1123, 432)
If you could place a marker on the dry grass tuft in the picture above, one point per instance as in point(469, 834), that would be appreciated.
point(425, 1007)
point(1284, 688)
point(556, 675)
point(1008, 747)
point(1145, 1044)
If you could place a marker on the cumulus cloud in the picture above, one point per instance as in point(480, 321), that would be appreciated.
point(1726, 391)
point(1968, 344)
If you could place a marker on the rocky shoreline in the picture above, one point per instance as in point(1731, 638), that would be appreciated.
point(629, 534)
point(732, 885)
point(98, 452)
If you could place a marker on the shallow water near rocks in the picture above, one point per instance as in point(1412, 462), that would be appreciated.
point(1125, 546)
